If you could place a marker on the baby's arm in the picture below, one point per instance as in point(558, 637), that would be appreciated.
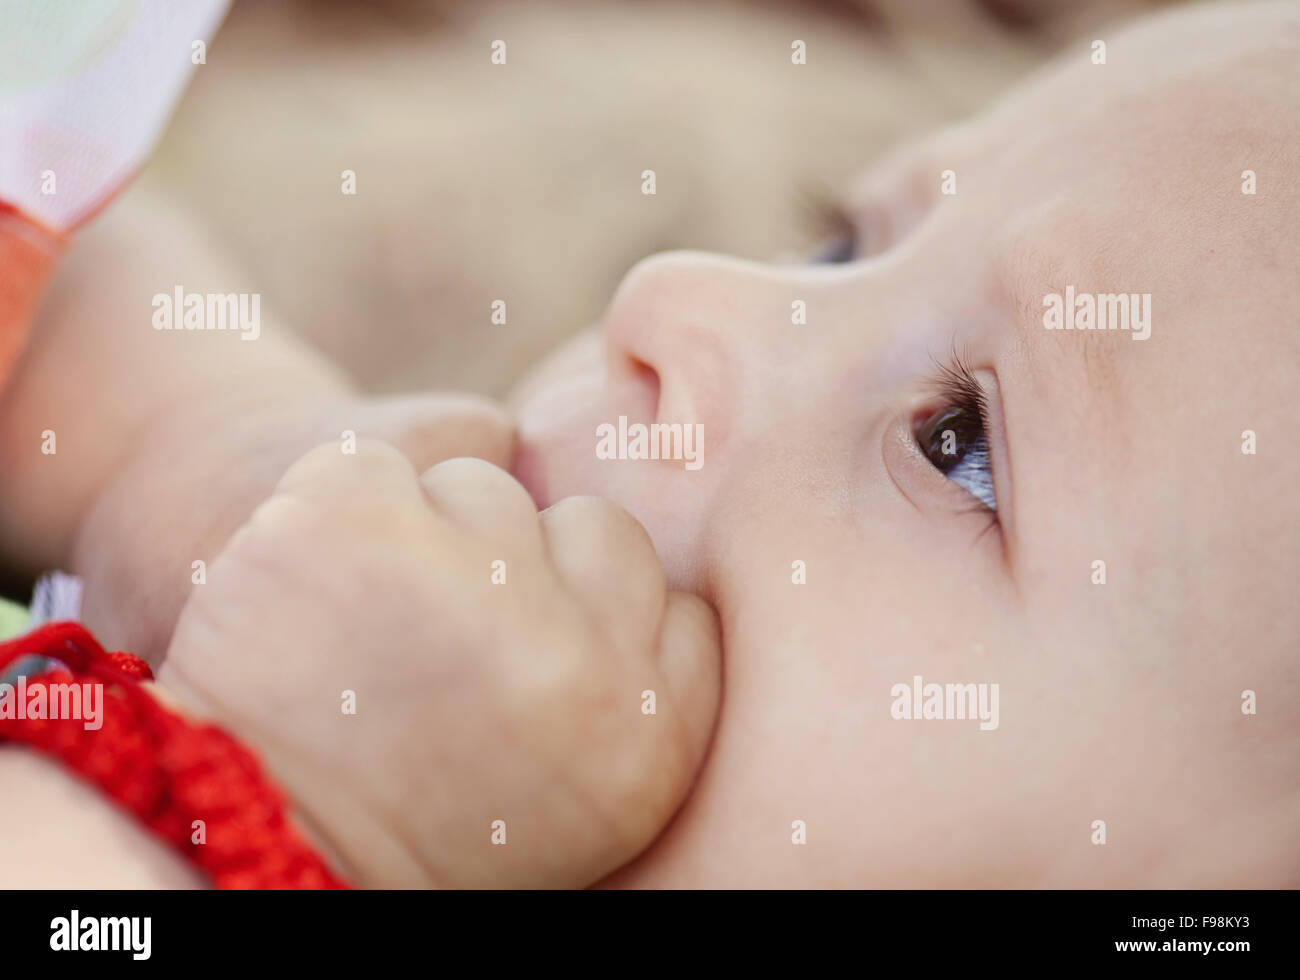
point(453, 689)
point(57, 831)
point(165, 440)
point(112, 389)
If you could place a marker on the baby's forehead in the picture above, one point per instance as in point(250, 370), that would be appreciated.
point(1117, 185)
point(1191, 98)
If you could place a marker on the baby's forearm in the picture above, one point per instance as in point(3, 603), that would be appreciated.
point(59, 832)
point(124, 447)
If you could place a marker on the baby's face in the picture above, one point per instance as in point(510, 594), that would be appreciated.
point(843, 561)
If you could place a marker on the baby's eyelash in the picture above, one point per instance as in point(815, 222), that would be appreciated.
point(957, 386)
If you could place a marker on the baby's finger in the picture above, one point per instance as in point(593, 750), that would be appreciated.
point(483, 499)
point(650, 784)
point(607, 559)
point(367, 472)
point(690, 657)
point(431, 428)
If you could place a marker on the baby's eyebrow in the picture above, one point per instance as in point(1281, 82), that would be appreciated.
point(1025, 275)
point(1071, 376)
point(1099, 360)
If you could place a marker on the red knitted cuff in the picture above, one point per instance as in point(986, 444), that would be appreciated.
point(168, 771)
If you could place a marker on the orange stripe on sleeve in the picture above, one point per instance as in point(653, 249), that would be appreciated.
point(28, 254)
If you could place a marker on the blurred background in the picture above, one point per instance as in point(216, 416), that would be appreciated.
point(522, 182)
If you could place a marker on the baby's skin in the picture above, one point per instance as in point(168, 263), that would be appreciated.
point(454, 690)
point(166, 443)
point(840, 560)
point(499, 660)
point(1147, 728)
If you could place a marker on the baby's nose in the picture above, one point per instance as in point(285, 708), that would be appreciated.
point(706, 329)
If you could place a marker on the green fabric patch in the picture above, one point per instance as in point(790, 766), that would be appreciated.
point(13, 619)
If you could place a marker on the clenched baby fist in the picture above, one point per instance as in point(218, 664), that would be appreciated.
point(430, 667)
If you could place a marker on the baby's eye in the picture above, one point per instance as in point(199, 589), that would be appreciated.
point(954, 440)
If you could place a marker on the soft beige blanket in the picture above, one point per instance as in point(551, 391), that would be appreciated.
point(522, 182)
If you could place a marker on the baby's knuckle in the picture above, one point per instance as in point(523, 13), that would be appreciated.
point(323, 466)
point(468, 468)
point(599, 515)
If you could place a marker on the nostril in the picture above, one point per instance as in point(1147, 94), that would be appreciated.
point(648, 379)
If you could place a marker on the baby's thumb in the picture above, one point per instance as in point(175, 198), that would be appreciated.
point(690, 662)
